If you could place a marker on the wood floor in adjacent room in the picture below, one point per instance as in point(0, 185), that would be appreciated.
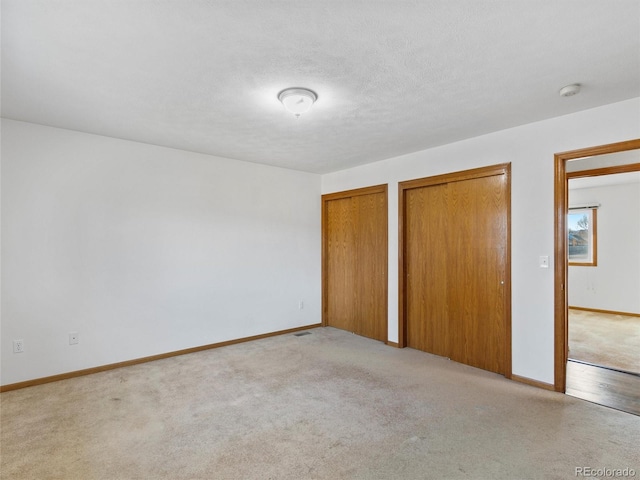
point(604, 386)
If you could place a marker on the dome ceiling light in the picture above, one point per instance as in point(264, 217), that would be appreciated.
point(297, 100)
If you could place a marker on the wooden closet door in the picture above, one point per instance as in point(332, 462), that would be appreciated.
point(476, 267)
point(340, 264)
point(454, 269)
point(355, 261)
point(426, 272)
point(370, 225)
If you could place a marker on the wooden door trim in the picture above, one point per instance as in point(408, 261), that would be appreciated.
point(561, 204)
point(596, 172)
point(455, 176)
point(349, 194)
point(354, 193)
point(403, 187)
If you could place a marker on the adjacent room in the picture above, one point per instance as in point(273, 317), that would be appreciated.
point(294, 240)
point(604, 325)
point(604, 279)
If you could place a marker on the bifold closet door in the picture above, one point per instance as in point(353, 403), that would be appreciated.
point(355, 261)
point(455, 267)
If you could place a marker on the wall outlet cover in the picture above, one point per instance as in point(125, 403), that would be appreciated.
point(18, 346)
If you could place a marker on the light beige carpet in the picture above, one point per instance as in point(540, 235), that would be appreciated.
point(605, 339)
point(329, 405)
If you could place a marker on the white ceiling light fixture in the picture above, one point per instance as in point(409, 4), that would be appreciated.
point(570, 90)
point(297, 100)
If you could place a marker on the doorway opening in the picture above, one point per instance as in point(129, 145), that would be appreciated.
point(580, 369)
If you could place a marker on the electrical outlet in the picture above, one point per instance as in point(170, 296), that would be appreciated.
point(301, 305)
point(18, 346)
point(74, 338)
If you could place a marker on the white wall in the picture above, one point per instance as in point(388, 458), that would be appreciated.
point(145, 250)
point(614, 284)
point(530, 149)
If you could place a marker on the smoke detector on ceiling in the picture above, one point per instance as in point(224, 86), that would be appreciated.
point(570, 90)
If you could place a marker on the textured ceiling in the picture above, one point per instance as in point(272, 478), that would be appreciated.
point(392, 77)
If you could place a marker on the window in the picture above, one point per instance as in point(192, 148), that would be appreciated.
point(581, 225)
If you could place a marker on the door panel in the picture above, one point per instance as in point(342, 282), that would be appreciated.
point(476, 266)
point(369, 214)
point(427, 305)
point(340, 263)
